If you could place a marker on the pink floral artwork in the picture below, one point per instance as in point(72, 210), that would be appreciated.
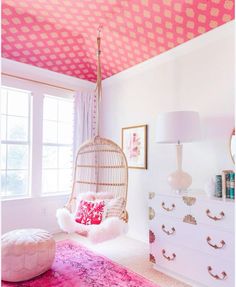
point(134, 146)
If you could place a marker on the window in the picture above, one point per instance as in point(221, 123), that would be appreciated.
point(36, 143)
point(15, 142)
point(57, 144)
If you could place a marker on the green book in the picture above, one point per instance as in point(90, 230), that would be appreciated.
point(231, 185)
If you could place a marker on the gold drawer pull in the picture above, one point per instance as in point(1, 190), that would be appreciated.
point(167, 231)
point(217, 277)
point(168, 257)
point(215, 217)
point(215, 245)
point(168, 208)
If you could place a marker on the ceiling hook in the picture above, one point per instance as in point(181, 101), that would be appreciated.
point(99, 29)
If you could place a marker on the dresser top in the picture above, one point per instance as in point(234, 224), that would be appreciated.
point(197, 193)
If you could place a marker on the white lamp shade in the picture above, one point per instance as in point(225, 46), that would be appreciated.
point(178, 126)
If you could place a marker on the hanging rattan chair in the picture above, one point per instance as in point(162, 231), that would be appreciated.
point(101, 169)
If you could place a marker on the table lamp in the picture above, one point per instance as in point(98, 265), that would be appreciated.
point(178, 127)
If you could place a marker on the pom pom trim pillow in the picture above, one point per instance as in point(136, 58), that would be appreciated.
point(90, 212)
point(115, 207)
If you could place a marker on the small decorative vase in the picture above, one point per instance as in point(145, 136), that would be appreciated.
point(210, 187)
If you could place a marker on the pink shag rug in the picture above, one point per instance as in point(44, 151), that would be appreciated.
point(76, 266)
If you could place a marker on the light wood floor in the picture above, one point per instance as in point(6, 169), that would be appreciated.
point(127, 252)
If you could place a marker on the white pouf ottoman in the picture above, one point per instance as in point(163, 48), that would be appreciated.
point(26, 253)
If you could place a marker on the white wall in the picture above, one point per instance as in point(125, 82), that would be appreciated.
point(198, 75)
point(36, 212)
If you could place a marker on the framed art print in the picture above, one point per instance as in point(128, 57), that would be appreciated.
point(134, 145)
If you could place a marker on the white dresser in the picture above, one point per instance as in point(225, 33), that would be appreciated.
point(192, 238)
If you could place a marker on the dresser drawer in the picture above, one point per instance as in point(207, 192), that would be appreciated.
point(197, 266)
point(213, 272)
point(173, 230)
point(217, 243)
point(218, 214)
point(169, 205)
point(203, 238)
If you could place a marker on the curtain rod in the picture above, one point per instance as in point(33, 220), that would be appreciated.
point(38, 82)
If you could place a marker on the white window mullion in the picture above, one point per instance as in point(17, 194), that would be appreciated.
point(57, 145)
point(6, 141)
point(29, 139)
point(36, 147)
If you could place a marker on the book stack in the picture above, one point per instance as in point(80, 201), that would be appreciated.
point(228, 184)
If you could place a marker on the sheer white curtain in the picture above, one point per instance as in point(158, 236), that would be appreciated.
point(85, 117)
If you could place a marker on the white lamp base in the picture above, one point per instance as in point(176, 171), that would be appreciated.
point(179, 180)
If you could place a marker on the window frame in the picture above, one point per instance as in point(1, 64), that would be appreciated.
point(27, 143)
point(37, 92)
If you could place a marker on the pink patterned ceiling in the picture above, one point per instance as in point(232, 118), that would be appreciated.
point(60, 35)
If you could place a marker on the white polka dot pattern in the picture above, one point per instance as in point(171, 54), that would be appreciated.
point(61, 35)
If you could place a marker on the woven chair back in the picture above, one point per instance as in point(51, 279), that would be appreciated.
point(100, 166)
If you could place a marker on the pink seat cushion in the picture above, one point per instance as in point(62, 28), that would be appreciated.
point(26, 253)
